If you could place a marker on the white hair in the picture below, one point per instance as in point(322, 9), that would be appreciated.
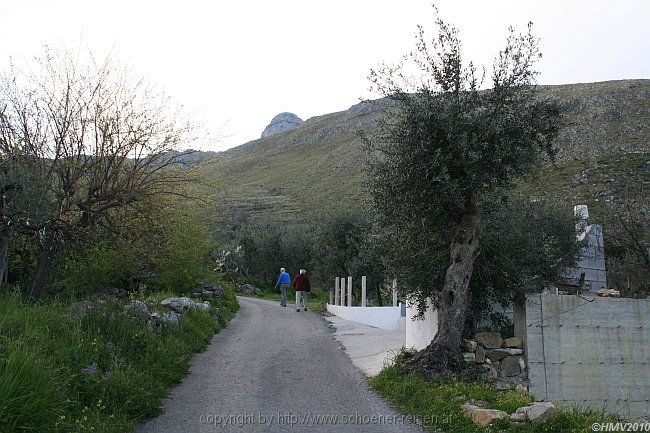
point(303, 272)
point(281, 269)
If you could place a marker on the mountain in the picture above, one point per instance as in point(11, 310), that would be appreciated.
point(317, 167)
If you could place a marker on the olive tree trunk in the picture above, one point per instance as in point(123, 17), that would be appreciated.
point(465, 248)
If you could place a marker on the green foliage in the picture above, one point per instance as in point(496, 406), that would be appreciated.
point(101, 373)
point(98, 267)
point(438, 405)
point(183, 257)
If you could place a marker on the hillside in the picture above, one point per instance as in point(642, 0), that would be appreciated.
point(317, 168)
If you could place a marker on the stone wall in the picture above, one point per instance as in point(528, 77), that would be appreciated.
point(589, 351)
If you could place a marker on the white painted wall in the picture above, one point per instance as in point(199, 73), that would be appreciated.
point(419, 333)
point(379, 317)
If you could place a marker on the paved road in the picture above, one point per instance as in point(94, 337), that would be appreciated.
point(274, 370)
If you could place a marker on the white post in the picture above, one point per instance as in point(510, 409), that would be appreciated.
point(394, 287)
point(336, 291)
point(349, 291)
point(363, 291)
point(342, 292)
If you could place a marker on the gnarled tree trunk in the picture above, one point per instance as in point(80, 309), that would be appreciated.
point(465, 248)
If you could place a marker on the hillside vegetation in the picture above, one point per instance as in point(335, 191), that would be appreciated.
point(318, 168)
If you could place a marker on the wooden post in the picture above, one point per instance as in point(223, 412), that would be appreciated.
point(337, 294)
point(349, 291)
point(363, 291)
point(394, 287)
point(342, 292)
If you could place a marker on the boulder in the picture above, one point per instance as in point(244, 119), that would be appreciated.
point(518, 417)
point(521, 388)
point(172, 317)
point(485, 417)
point(468, 345)
point(608, 293)
point(205, 306)
point(510, 366)
point(179, 305)
point(539, 412)
point(249, 289)
point(480, 355)
point(503, 385)
point(84, 308)
point(489, 340)
point(513, 342)
point(137, 309)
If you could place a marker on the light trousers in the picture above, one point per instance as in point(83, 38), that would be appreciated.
point(302, 295)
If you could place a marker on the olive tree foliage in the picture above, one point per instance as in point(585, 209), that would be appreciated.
point(94, 137)
point(347, 245)
point(445, 146)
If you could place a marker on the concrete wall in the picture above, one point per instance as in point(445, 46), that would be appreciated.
point(380, 317)
point(590, 351)
point(420, 332)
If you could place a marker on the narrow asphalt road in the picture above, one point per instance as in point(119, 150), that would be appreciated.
point(275, 370)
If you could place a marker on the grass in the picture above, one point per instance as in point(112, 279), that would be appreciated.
point(438, 405)
point(101, 373)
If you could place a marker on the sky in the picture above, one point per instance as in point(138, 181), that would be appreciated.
point(233, 65)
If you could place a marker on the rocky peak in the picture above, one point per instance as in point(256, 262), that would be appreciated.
point(281, 123)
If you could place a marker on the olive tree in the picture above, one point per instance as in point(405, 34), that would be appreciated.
point(447, 144)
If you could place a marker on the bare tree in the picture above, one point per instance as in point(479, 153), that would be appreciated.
point(95, 137)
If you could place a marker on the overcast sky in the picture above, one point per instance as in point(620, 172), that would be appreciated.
point(236, 64)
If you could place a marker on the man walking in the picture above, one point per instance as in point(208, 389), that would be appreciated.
point(284, 280)
point(301, 287)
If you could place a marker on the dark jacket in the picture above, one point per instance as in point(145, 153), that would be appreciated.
point(301, 283)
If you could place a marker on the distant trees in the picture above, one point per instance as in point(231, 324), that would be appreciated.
point(444, 149)
point(80, 142)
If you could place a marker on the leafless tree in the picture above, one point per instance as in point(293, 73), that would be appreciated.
point(87, 138)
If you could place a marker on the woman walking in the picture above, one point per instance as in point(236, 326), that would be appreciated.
point(301, 287)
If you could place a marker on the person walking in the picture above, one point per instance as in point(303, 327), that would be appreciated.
point(301, 287)
point(284, 281)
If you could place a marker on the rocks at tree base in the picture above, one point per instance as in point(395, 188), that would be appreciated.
point(179, 305)
point(480, 355)
point(249, 289)
point(84, 308)
point(489, 340)
point(504, 364)
point(513, 342)
point(510, 366)
point(521, 388)
point(137, 309)
point(539, 412)
point(281, 123)
point(468, 345)
point(485, 417)
point(495, 354)
point(469, 357)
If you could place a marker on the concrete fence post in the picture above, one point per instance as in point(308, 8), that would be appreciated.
point(349, 291)
point(337, 294)
point(342, 292)
point(394, 287)
point(363, 291)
